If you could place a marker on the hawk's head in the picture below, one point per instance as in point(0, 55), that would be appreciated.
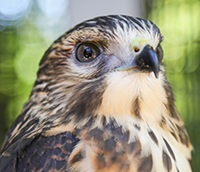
point(106, 65)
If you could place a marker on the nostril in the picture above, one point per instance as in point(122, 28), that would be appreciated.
point(136, 49)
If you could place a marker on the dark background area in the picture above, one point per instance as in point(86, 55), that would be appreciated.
point(28, 28)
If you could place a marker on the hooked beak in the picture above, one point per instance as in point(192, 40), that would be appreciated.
point(145, 58)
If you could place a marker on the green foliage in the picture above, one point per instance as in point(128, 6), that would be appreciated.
point(19, 61)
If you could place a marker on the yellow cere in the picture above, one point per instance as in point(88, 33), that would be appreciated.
point(139, 43)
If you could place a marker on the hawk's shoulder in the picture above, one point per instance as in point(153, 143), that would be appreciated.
point(33, 156)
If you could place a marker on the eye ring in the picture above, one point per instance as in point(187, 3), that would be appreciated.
point(159, 52)
point(87, 52)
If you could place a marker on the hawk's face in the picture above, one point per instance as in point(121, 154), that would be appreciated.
point(106, 63)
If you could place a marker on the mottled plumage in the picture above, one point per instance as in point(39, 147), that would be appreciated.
point(101, 102)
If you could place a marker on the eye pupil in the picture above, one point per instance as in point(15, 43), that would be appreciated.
point(86, 52)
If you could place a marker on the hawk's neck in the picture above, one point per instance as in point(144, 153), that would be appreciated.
point(138, 96)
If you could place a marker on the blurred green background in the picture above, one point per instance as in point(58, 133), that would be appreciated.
point(27, 33)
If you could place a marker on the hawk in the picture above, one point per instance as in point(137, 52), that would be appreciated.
point(101, 103)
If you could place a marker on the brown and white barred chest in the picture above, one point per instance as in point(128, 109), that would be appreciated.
point(136, 129)
point(107, 145)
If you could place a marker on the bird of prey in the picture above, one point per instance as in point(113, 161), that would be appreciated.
point(101, 103)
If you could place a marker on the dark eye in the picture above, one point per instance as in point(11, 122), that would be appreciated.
point(87, 52)
point(159, 51)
